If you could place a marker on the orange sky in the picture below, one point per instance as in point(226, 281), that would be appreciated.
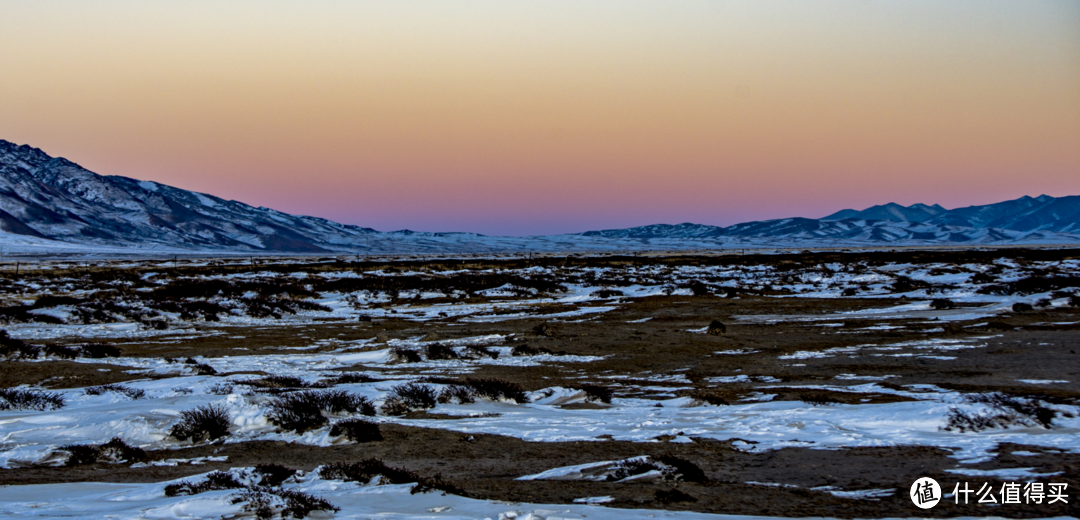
point(556, 116)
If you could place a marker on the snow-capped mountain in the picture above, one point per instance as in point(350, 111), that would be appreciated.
point(846, 231)
point(51, 197)
point(1042, 213)
point(52, 205)
point(891, 211)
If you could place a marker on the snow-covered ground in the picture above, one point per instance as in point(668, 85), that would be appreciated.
point(578, 299)
point(123, 501)
point(32, 437)
point(35, 437)
point(29, 437)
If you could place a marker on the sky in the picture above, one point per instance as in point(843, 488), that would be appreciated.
point(516, 118)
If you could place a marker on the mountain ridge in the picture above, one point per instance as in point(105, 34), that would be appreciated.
point(53, 203)
point(1027, 213)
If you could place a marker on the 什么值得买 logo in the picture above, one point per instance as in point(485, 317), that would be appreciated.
point(925, 493)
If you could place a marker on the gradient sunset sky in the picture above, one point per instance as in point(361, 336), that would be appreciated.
point(507, 117)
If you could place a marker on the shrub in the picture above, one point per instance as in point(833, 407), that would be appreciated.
point(698, 288)
point(498, 389)
point(297, 504)
point(481, 351)
point(264, 500)
point(352, 378)
point(275, 382)
point(817, 397)
point(725, 396)
point(156, 324)
point(99, 350)
point(79, 454)
point(114, 451)
point(460, 394)
point(395, 406)
point(215, 481)
point(959, 420)
point(192, 310)
point(1031, 409)
point(609, 293)
point(220, 389)
point(942, 304)
point(302, 411)
point(850, 291)
point(682, 469)
point(597, 393)
point(20, 399)
point(201, 369)
point(17, 348)
point(273, 474)
point(1074, 300)
point(21, 350)
point(404, 355)
point(414, 395)
point(357, 430)
point(132, 393)
point(437, 351)
point(904, 284)
point(210, 422)
point(264, 307)
point(1022, 307)
point(337, 401)
point(299, 412)
point(437, 380)
point(526, 350)
point(258, 503)
point(631, 467)
point(436, 482)
point(1006, 411)
point(670, 468)
point(495, 389)
point(716, 328)
point(60, 351)
point(368, 469)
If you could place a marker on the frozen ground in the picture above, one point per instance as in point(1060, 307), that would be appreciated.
point(31, 438)
point(123, 501)
point(192, 336)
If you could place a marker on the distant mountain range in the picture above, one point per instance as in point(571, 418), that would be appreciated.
point(1042, 213)
point(52, 205)
point(1039, 219)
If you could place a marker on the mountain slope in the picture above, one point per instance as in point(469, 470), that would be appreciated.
point(890, 211)
point(52, 205)
point(1024, 214)
point(55, 198)
point(1042, 213)
point(846, 231)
